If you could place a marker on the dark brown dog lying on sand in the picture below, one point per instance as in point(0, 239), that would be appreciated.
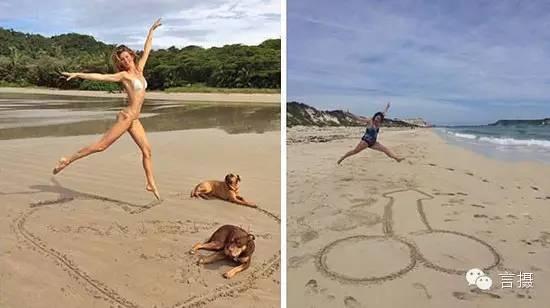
point(229, 242)
point(227, 190)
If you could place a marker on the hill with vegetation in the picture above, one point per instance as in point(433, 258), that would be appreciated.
point(521, 122)
point(35, 60)
point(305, 115)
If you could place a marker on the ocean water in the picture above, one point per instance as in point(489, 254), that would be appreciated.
point(512, 141)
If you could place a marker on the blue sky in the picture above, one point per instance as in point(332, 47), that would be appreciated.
point(185, 22)
point(450, 62)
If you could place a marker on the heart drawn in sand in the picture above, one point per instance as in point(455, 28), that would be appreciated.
point(131, 258)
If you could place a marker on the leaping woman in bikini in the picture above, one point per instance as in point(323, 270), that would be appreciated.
point(130, 75)
point(369, 139)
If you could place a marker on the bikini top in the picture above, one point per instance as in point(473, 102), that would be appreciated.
point(139, 85)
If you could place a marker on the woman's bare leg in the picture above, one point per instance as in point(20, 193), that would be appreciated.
point(137, 132)
point(360, 147)
point(122, 124)
point(379, 147)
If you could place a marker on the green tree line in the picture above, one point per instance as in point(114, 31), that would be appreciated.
point(35, 60)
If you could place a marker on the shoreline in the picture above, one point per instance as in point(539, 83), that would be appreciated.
point(264, 98)
point(506, 153)
point(314, 134)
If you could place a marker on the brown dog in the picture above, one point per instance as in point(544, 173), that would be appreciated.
point(227, 190)
point(229, 242)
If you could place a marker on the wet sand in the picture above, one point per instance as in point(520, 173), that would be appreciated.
point(93, 237)
point(376, 233)
point(263, 98)
point(37, 115)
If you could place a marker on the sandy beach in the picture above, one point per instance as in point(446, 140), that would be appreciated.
point(376, 233)
point(93, 237)
point(264, 98)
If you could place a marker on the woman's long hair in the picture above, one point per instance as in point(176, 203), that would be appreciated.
point(116, 57)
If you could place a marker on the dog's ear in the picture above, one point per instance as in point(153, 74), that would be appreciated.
point(251, 237)
point(238, 178)
point(228, 179)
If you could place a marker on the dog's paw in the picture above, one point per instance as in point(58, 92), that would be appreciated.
point(227, 275)
point(200, 261)
point(192, 251)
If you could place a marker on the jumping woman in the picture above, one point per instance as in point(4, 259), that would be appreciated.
point(369, 139)
point(130, 75)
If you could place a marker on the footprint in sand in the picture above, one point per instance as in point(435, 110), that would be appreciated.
point(523, 296)
point(456, 200)
point(462, 296)
point(352, 219)
point(450, 169)
point(308, 236)
point(480, 216)
point(297, 261)
point(351, 302)
point(312, 287)
point(469, 173)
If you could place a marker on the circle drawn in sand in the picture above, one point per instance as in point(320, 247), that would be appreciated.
point(352, 267)
point(472, 250)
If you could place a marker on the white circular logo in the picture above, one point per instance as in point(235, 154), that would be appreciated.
point(472, 275)
point(484, 282)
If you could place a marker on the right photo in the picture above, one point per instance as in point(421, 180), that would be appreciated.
point(418, 151)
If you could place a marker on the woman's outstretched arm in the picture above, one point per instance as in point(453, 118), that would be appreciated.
point(95, 76)
point(386, 109)
point(148, 45)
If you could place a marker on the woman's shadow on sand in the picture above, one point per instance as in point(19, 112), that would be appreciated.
point(67, 194)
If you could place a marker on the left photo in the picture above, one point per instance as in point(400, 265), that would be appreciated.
point(140, 154)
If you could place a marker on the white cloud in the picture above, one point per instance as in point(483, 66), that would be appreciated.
point(192, 22)
point(432, 53)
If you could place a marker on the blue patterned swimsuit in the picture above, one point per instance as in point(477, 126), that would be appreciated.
point(370, 135)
